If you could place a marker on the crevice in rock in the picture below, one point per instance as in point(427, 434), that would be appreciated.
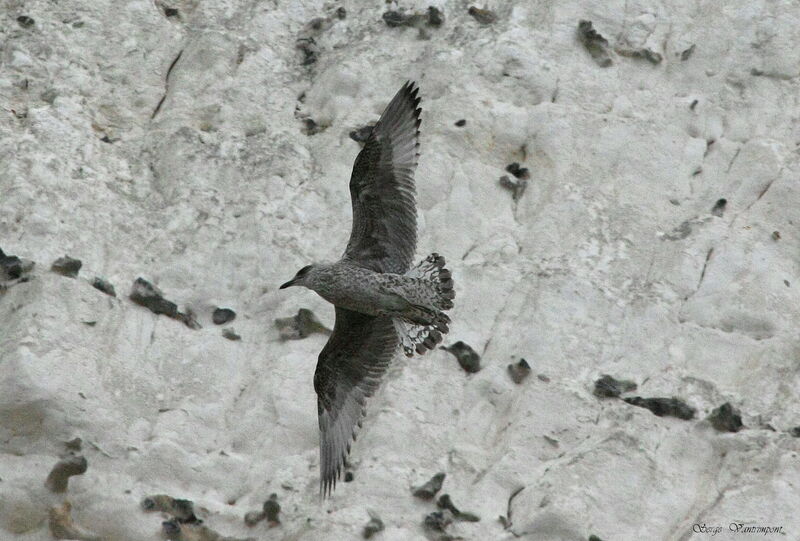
point(166, 85)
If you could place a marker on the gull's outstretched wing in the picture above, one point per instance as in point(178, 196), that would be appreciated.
point(384, 234)
point(349, 370)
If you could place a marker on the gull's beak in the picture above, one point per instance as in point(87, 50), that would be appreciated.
point(287, 284)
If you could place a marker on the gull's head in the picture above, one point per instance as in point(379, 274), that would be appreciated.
point(301, 278)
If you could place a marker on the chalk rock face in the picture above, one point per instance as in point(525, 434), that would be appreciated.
point(205, 147)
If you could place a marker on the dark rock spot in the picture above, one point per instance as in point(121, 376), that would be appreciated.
point(429, 489)
point(664, 407)
point(776, 235)
point(680, 232)
point(438, 521)
point(12, 267)
point(146, 294)
point(594, 538)
point(467, 357)
point(74, 444)
point(308, 46)
point(341, 13)
point(104, 286)
point(596, 44)
point(642, 53)
point(348, 476)
point(461, 123)
point(310, 127)
point(220, 316)
point(686, 54)
point(272, 509)
point(170, 12)
point(516, 187)
point(445, 502)
point(58, 478)
point(517, 171)
point(171, 527)
point(67, 266)
point(394, 19)
point(795, 432)
point(693, 104)
point(230, 334)
point(300, 326)
point(608, 387)
point(435, 17)
point(106, 139)
point(372, 527)
point(542, 377)
point(519, 371)
point(719, 207)
point(726, 418)
point(24, 21)
point(181, 510)
point(483, 16)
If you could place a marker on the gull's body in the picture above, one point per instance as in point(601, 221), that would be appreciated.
point(381, 302)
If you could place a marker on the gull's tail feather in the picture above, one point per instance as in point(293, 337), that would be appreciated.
point(430, 323)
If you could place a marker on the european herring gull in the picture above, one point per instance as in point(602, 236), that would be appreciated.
point(381, 302)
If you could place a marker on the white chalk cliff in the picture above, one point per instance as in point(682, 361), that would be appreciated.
point(610, 262)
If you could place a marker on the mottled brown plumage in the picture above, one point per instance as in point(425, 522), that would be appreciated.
point(380, 302)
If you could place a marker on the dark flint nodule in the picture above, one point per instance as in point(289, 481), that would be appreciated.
point(596, 44)
point(719, 207)
point(300, 326)
point(11, 266)
point(467, 357)
point(171, 527)
point(517, 171)
point(519, 371)
point(429, 489)
point(272, 508)
point(146, 294)
point(438, 521)
point(58, 479)
point(341, 12)
point(664, 407)
point(483, 16)
point(393, 19)
point(230, 334)
point(104, 286)
point(435, 17)
point(372, 527)
point(24, 21)
point(516, 186)
point(222, 316)
point(67, 266)
point(461, 123)
point(726, 418)
point(608, 387)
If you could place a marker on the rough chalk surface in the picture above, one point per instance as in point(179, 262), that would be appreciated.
point(171, 140)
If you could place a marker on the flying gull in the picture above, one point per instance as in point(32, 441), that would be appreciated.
point(381, 302)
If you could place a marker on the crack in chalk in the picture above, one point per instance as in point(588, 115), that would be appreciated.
point(730, 164)
point(507, 522)
point(166, 85)
point(764, 191)
point(705, 265)
point(497, 317)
